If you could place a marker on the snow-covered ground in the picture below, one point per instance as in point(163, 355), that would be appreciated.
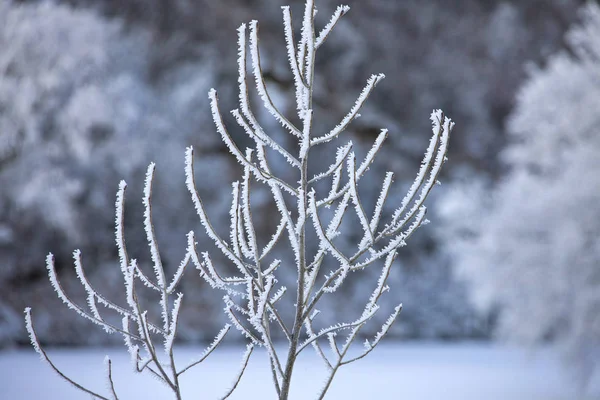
point(413, 371)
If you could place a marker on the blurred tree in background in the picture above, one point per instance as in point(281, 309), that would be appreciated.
point(91, 92)
point(531, 244)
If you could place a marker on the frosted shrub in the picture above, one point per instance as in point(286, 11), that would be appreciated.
point(251, 296)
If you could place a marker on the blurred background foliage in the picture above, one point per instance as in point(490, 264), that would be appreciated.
point(92, 91)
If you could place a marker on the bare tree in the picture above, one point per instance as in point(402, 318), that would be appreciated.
point(251, 296)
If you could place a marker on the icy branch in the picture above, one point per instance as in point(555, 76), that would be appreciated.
point(325, 242)
point(362, 98)
point(119, 236)
point(362, 216)
point(179, 273)
point(191, 185)
point(337, 15)
point(315, 344)
point(245, 359)
point(443, 126)
point(36, 345)
point(260, 137)
point(215, 343)
point(260, 83)
point(364, 167)
point(274, 239)
point(341, 155)
point(334, 328)
point(385, 189)
point(234, 150)
point(149, 227)
point(299, 83)
point(370, 346)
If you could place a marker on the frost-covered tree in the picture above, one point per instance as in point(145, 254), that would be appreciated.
point(312, 206)
point(531, 246)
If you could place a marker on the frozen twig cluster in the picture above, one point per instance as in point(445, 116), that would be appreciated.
point(139, 333)
point(251, 296)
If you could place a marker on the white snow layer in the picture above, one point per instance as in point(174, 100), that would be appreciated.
point(413, 371)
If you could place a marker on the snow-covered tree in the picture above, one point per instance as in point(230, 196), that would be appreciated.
point(59, 94)
point(313, 205)
point(78, 111)
point(531, 245)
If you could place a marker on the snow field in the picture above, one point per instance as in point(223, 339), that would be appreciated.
point(408, 371)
